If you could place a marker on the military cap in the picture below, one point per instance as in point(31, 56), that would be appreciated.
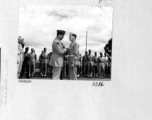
point(61, 32)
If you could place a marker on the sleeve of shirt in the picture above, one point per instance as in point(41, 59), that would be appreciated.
point(76, 52)
point(58, 48)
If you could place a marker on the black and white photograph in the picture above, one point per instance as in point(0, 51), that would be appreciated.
point(65, 42)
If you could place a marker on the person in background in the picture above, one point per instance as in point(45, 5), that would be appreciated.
point(44, 61)
point(90, 64)
point(26, 64)
point(33, 59)
point(20, 57)
point(73, 57)
point(106, 65)
point(100, 65)
point(109, 65)
point(84, 64)
point(49, 68)
point(79, 66)
point(95, 66)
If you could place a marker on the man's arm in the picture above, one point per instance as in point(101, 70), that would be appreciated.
point(59, 48)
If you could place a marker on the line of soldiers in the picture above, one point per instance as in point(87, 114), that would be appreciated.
point(90, 66)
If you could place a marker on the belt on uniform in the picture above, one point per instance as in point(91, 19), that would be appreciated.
point(71, 55)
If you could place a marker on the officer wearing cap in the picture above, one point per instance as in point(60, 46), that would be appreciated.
point(58, 51)
point(73, 57)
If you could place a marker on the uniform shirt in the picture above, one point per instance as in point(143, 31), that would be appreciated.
point(89, 57)
point(44, 57)
point(106, 59)
point(57, 53)
point(95, 59)
point(20, 53)
point(26, 57)
point(100, 59)
point(32, 57)
point(74, 52)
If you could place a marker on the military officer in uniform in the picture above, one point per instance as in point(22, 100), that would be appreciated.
point(58, 51)
point(100, 65)
point(44, 61)
point(79, 66)
point(95, 66)
point(73, 56)
point(84, 64)
point(33, 59)
point(90, 64)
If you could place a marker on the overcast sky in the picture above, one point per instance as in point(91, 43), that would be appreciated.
point(38, 25)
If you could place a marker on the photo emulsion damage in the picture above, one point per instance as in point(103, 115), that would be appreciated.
point(65, 43)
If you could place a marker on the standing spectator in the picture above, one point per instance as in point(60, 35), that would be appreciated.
point(44, 63)
point(100, 64)
point(26, 64)
point(33, 59)
point(106, 65)
point(90, 64)
point(84, 64)
point(95, 66)
point(49, 68)
point(20, 54)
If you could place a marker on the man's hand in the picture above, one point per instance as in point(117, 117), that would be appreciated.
point(65, 50)
point(72, 65)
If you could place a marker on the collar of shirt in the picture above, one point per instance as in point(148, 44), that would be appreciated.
point(72, 43)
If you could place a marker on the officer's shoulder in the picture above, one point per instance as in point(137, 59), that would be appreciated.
point(56, 41)
point(76, 44)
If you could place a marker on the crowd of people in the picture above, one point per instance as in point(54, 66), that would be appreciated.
point(90, 65)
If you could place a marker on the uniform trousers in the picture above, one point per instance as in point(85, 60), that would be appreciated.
point(65, 68)
point(85, 68)
point(101, 69)
point(56, 73)
point(90, 68)
point(72, 71)
point(32, 67)
point(95, 69)
point(79, 68)
point(43, 66)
